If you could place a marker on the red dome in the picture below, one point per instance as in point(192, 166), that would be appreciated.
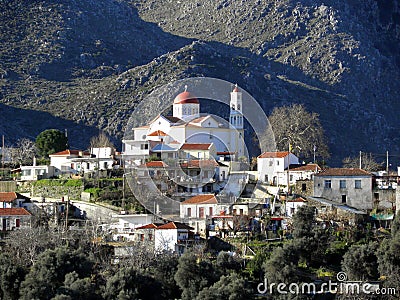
point(185, 97)
point(236, 89)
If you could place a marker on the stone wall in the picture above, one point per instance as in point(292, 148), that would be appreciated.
point(304, 188)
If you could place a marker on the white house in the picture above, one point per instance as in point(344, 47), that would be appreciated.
point(172, 237)
point(273, 167)
point(303, 172)
point(125, 226)
point(169, 237)
point(14, 200)
point(197, 209)
point(37, 172)
point(292, 205)
point(63, 163)
point(198, 151)
point(14, 218)
point(347, 186)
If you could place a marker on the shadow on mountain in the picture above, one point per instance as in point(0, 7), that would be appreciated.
point(29, 123)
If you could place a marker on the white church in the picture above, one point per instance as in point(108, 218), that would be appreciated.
point(165, 136)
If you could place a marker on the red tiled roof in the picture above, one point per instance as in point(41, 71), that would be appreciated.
point(19, 211)
point(188, 146)
point(308, 167)
point(154, 164)
point(344, 172)
point(149, 226)
point(274, 154)
point(205, 163)
point(201, 199)
point(70, 152)
point(174, 225)
point(157, 133)
point(8, 196)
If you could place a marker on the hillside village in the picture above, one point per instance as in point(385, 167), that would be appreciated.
point(187, 171)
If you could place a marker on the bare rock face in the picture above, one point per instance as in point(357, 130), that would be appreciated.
point(87, 63)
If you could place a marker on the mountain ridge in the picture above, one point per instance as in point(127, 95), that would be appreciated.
point(306, 52)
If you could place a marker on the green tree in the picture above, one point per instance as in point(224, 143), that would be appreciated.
point(51, 141)
point(303, 221)
point(282, 265)
point(129, 283)
point(229, 287)
point(296, 126)
point(360, 262)
point(11, 276)
point(226, 263)
point(193, 276)
point(47, 275)
point(163, 270)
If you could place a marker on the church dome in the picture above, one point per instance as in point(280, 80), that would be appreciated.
point(186, 97)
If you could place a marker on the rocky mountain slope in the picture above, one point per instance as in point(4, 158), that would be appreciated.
point(84, 65)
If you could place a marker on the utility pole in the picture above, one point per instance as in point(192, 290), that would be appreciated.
point(315, 148)
point(360, 160)
point(123, 192)
point(2, 155)
point(387, 163)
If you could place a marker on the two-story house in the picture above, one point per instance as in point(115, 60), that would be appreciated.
point(272, 167)
point(347, 186)
point(13, 211)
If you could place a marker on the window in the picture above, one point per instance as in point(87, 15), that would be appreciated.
point(234, 212)
point(126, 225)
point(290, 177)
point(144, 146)
point(292, 210)
point(357, 184)
point(150, 237)
point(271, 162)
point(241, 212)
point(303, 187)
point(327, 184)
point(344, 198)
point(277, 162)
point(201, 212)
point(342, 184)
point(266, 178)
point(210, 211)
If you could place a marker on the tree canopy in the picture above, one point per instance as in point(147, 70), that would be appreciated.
point(51, 141)
point(294, 125)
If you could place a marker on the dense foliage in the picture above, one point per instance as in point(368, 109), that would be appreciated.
point(55, 264)
point(51, 141)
